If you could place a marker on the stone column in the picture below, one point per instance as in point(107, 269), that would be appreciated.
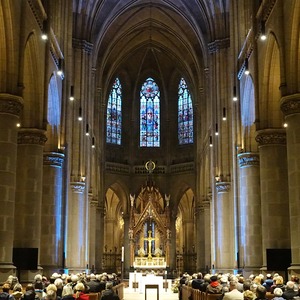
point(93, 205)
point(250, 233)
point(76, 228)
point(274, 190)
point(99, 238)
point(51, 256)
point(200, 238)
point(29, 189)
point(173, 244)
point(290, 106)
point(10, 109)
point(206, 207)
point(126, 245)
point(224, 226)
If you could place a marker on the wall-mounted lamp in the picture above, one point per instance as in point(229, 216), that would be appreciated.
point(93, 142)
point(44, 35)
point(234, 98)
point(80, 114)
point(263, 36)
point(210, 141)
point(72, 93)
point(87, 133)
point(217, 129)
point(224, 118)
point(247, 72)
point(18, 124)
point(285, 125)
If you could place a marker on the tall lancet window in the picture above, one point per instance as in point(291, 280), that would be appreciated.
point(114, 114)
point(150, 114)
point(185, 114)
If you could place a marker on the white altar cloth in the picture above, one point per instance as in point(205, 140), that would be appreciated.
point(143, 279)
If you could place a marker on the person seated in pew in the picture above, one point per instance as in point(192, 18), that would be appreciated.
point(197, 282)
point(260, 292)
point(278, 294)
point(233, 293)
point(214, 286)
point(80, 292)
point(109, 293)
point(289, 292)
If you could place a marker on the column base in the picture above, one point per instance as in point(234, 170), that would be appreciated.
point(7, 269)
point(294, 269)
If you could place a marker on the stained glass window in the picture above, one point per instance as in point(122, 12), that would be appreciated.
point(114, 114)
point(185, 114)
point(150, 114)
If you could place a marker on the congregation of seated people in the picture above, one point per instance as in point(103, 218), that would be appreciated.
point(236, 287)
point(61, 287)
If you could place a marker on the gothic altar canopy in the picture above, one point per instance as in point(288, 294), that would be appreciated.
point(149, 229)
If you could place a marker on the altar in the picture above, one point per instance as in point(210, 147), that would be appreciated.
point(138, 280)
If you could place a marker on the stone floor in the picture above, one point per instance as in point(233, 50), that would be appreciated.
point(130, 294)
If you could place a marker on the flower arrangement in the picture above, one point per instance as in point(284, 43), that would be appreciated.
point(175, 286)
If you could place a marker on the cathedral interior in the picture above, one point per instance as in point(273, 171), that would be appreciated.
point(149, 135)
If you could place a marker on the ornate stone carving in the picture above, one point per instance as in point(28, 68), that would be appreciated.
point(11, 104)
point(223, 187)
point(54, 159)
point(83, 45)
point(77, 187)
point(32, 136)
point(182, 168)
point(217, 45)
point(290, 104)
point(248, 159)
point(271, 137)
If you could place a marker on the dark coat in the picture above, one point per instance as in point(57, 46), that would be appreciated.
point(109, 295)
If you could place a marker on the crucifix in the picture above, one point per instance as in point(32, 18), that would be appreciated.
point(149, 239)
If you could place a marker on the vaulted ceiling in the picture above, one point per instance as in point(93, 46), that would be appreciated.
point(157, 35)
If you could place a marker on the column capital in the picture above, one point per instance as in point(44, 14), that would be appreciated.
point(11, 104)
point(248, 159)
point(53, 159)
point(223, 187)
point(82, 44)
point(271, 137)
point(77, 187)
point(290, 104)
point(32, 136)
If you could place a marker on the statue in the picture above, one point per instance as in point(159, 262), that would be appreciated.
point(167, 198)
point(132, 199)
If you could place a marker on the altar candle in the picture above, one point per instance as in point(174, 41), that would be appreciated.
point(122, 259)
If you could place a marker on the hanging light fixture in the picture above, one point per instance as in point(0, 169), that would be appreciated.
point(71, 93)
point(87, 133)
point(247, 72)
point(263, 36)
point(217, 129)
point(224, 114)
point(59, 71)
point(234, 98)
point(44, 35)
point(93, 142)
point(210, 141)
point(80, 114)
